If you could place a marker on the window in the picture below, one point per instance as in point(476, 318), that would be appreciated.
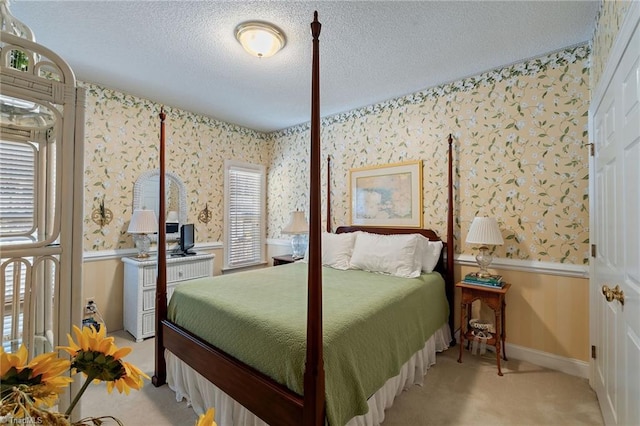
point(244, 214)
point(17, 189)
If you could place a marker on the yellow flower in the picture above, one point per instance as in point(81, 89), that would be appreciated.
point(52, 383)
point(42, 376)
point(98, 357)
point(8, 360)
point(90, 340)
point(207, 419)
point(27, 387)
point(132, 379)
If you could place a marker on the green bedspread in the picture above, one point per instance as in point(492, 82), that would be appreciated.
point(372, 325)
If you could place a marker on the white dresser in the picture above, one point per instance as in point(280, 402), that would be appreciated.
point(140, 287)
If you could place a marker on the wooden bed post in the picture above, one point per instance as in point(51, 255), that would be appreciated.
point(314, 398)
point(160, 376)
point(258, 393)
point(450, 238)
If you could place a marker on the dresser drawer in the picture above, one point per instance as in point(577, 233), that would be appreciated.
point(149, 298)
point(149, 275)
point(187, 271)
point(177, 272)
point(148, 324)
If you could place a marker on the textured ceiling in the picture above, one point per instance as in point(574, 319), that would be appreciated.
point(184, 54)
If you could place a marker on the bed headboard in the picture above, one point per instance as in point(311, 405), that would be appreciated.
point(430, 234)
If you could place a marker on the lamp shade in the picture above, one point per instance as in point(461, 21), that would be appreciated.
point(260, 39)
point(485, 231)
point(143, 222)
point(172, 216)
point(297, 225)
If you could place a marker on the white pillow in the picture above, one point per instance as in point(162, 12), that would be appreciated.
point(396, 255)
point(336, 250)
point(430, 253)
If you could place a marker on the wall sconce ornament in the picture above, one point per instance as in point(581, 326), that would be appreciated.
point(205, 215)
point(102, 215)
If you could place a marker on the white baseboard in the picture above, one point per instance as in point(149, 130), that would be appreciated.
point(575, 367)
point(571, 366)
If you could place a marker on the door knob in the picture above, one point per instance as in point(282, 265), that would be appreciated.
point(608, 293)
point(618, 294)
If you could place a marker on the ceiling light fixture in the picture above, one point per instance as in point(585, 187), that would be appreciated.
point(260, 39)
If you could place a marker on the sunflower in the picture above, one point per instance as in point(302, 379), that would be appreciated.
point(207, 419)
point(27, 388)
point(90, 340)
point(97, 357)
point(9, 360)
point(132, 379)
point(42, 377)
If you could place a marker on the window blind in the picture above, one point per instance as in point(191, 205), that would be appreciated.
point(17, 218)
point(13, 281)
point(244, 214)
point(17, 188)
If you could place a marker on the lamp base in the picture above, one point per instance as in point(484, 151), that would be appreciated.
point(484, 259)
point(298, 245)
point(142, 243)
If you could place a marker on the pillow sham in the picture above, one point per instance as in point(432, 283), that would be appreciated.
point(430, 253)
point(336, 250)
point(398, 255)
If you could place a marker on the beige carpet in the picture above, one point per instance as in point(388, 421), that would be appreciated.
point(470, 393)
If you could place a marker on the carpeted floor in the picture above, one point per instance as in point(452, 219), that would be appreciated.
point(470, 393)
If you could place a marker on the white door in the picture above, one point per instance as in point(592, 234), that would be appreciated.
point(615, 231)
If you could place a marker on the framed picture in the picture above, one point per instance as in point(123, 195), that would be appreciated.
point(389, 195)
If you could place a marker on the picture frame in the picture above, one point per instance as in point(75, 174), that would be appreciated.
point(388, 195)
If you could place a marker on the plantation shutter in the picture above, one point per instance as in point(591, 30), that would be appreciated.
point(244, 214)
point(17, 219)
point(17, 189)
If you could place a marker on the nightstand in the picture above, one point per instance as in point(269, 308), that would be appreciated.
point(283, 259)
point(494, 299)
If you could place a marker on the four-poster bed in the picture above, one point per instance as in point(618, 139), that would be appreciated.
point(270, 400)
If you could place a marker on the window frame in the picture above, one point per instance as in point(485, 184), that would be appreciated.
point(260, 258)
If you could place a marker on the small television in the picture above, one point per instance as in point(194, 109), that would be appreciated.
point(187, 239)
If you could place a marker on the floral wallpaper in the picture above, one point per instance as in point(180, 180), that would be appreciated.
point(608, 23)
point(520, 155)
point(520, 136)
point(121, 142)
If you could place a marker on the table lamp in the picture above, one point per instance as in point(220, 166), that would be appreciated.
point(299, 228)
point(143, 222)
point(484, 231)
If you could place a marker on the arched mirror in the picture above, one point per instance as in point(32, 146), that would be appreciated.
point(145, 196)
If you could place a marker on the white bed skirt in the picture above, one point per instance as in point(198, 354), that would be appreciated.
point(202, 394)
